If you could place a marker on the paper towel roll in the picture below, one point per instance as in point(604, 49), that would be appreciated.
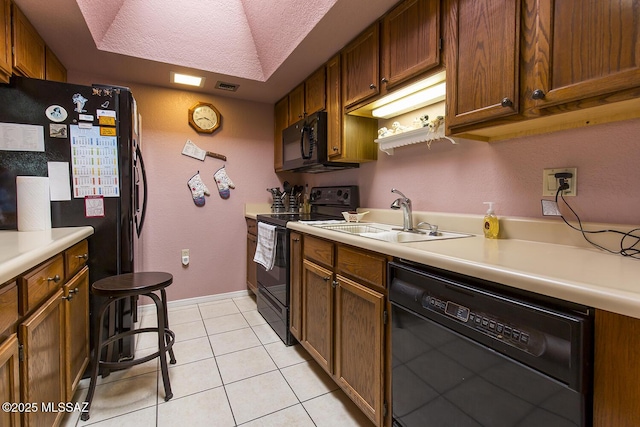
point(34, 208)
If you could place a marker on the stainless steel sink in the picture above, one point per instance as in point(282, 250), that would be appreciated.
point(387, 233)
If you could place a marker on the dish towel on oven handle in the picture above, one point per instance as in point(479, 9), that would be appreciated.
point(266, 245)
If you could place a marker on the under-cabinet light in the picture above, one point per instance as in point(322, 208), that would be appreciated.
point(185, 79)
point(413, 101)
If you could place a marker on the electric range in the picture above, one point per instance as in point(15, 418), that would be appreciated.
point(327, 203)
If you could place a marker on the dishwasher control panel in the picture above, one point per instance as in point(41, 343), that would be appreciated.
point(508, 332)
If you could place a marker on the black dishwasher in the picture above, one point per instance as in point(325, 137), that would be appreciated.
point(470, 353)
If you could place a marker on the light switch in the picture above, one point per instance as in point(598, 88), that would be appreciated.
point(185, 257)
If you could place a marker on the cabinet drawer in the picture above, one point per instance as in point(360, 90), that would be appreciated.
point(39, 283)
point(8, 309)
point(252, 226)
point(365, 267)
point(75, 258)
point(318, 250)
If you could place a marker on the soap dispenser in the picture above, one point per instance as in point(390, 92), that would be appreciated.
point(491, 226)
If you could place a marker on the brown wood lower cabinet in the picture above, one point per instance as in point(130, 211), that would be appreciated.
point(9, 382)
point(359, 345)
point(42, 372)
point(343, 320)
point(44, 338)
point(317, 318)
point(616, 371)
point(252, 243)
point(295, 285)
point(76, 330)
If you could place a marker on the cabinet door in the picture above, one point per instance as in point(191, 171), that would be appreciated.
point(28, 47)
point(314, 92)
point(360, 67)
point(483, 60)
point(42, 372)
point(410, 40)
point(76, 330)
point(317, 318)
point(359, 346)
point(296, 104)
point(5, 40)
point(583, 48)
point(252, 280)
point(9, 380)
point(295, 274)
point(54, 70)
point(281, 119)
point(334, 109)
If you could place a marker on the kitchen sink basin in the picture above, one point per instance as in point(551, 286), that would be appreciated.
point(387, 233)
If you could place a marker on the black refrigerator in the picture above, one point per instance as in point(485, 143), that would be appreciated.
point(88, 135)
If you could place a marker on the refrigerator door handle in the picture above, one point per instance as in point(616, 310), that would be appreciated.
point(140, 222)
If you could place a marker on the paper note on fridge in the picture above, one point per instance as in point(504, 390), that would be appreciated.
point(17, 137)
point(59, 181)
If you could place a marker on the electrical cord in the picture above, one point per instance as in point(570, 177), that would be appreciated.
point(632, 251)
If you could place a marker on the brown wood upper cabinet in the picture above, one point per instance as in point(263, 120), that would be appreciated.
point(564, 63)
point(5, 40)
point(54, 70)
point(582, 49)
point(281, 121)
point(28, 47)
point(360, 67)
point(410, 41)
point(483, 66)
point(307, 98)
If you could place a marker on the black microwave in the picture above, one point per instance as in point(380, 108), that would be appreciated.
point(304, 146)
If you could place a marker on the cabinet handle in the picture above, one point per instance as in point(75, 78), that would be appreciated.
point(506, 102)
point(55, 279)
point(538, 94)
point(83, 256)
point(296, 239)
point(384, 80)
point(73, 291)
point(372, 86)
point(334, 284)
point(326, 279)
point(335, 148)
point(68, 298)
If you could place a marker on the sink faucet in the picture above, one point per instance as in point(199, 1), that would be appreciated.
point(405, 203)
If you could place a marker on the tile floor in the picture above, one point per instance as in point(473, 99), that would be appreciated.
point(231, 370)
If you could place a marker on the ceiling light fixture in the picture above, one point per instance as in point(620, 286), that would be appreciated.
point(185, 79)
point(418, 95)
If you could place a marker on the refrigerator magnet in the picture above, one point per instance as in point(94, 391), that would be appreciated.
point(79, 100)
point(107, 131)
point(56, 113)
point(57, 130)
point(107, 120)
point(93, 206)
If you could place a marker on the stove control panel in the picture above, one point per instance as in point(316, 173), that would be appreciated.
point(346, 196)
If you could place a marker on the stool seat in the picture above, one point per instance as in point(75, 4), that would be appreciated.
point(114, 289)
point(131, 284)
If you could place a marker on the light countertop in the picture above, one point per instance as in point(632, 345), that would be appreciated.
point(22, 250)
point(580, 274)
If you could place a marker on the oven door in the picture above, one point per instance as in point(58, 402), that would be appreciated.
point(275, 280)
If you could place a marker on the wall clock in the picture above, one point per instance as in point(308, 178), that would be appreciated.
point(204, 117)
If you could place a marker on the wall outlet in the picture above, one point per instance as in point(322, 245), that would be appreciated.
point(550, 183)
point(185, 257)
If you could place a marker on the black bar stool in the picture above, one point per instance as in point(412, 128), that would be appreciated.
point(115, 288)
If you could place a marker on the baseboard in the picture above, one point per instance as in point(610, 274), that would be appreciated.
point(142, 309)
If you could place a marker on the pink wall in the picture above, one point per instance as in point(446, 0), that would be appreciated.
point(216, 232)
point(447, 178)
point(458, 178)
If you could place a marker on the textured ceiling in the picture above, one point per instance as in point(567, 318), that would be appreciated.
point(243, 38)
point(265, 46)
